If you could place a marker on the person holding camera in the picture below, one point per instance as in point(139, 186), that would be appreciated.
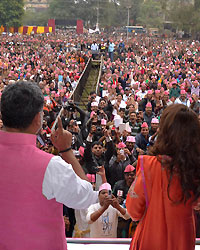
point(120, 190)
point(118, 163)
point(94, 154)
point(103, 216)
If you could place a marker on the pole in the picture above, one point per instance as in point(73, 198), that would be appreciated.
point(97, 25)
point(128, 22)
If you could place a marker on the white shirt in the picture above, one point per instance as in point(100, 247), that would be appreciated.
point(61, 182)
point(106, 225)
point(186, 102)
point(141, 94)
point(94, 46)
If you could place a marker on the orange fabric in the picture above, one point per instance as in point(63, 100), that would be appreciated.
point(164, 225)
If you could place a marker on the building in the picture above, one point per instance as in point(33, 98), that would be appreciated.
point(36, 5)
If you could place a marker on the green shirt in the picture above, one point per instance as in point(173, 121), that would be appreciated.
point(174, 92)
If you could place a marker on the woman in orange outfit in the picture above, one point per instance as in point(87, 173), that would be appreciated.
point(167, 185)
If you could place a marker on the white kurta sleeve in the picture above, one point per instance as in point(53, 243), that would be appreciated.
point(61, 182)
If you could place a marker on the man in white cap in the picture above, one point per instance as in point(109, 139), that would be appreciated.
point(103, 216)
point(120, 190)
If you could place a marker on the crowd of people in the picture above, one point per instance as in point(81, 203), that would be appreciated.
point(140, 78)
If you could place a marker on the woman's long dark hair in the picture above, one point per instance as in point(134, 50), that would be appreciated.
point(179, 138)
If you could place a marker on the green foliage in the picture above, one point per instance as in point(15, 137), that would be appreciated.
point(111, 13)
point(151, 14)
point(11, 12)
point(185, 17)
point(33, 18)
point(65, 9)
point(197, 4)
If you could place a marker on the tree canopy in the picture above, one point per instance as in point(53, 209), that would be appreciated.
point(11, 12)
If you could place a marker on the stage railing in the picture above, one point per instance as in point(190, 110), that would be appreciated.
point(125, 241)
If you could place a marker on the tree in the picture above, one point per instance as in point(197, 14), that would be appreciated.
point(185, 16)
point(34, 18)
point(197, 4)
point(150, 14)
point(11, 13)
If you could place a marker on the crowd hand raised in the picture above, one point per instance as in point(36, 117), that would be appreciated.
point(126, 151)
point(61, 139)
point(106, 134)
point(107, 202)
point(101, 171)
point(115, 202)
point(93, 129)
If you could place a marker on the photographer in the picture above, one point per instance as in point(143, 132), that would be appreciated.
point(77, 139)
point(117, 164)
point(103, 216)
point(70, 113)
point(94, 154)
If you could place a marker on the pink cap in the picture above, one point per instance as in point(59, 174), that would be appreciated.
point(144, 125)
point(155, 120)
point(150, 92)
point(121, 145)
point(91, 177)
point(105, 186)
point(129, 169)
point(94, 104)
point(81, 151)
point(128, 129)
point(166, 92)
point(103, 122)
point(92, 113)
point(174, 82)
point(157, 91)
point(183, 92)
point(149, 105)
point(46, 98)
point(56, 95)
point(130, 139)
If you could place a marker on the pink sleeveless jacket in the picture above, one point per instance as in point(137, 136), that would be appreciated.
point(28, 221)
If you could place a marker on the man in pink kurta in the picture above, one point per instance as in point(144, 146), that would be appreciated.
point(33, 183)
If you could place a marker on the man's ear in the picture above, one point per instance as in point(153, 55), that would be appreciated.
point(37, 119)
point(37, 122)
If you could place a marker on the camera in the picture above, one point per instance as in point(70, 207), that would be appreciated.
point(98, 129)
point(69, 107)
point(121, 151)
